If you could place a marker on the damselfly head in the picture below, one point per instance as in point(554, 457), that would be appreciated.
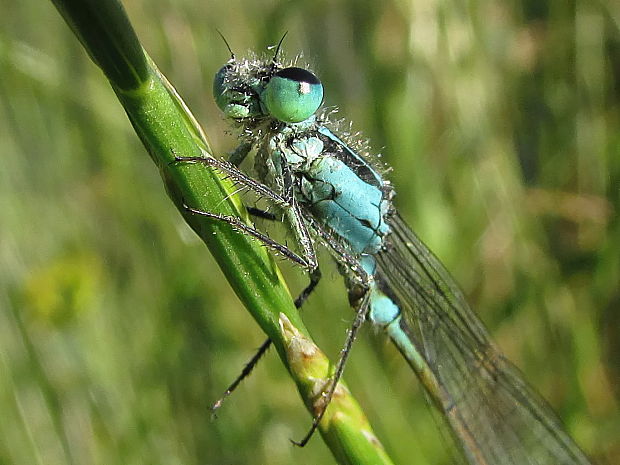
point(255, 89)
point(292, 95)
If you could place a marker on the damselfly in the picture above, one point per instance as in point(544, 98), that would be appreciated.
point(329, 193)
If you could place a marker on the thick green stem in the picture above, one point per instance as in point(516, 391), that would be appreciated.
point(167, 128)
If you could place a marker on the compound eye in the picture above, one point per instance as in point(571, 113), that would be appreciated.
point(292, 95)
point(237, 101)
point(219, 89)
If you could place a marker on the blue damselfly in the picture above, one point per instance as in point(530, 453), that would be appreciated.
point(329, 193)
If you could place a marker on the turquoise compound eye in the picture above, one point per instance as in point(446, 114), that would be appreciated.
point(292, 95)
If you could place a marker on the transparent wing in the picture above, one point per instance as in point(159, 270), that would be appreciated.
point(494, 415)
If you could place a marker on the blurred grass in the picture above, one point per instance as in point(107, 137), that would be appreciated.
point(502, 123)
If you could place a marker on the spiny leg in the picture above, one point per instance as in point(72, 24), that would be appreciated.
point(238, 176)
point(251, 364)
point(291, 210)
point(360, 316)
point(361, 305)
point(247, 369)
point(315, 277)
point(252, 232)
point(309, 262)
point(294, 216)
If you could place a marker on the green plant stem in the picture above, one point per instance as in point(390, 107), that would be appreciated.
point(167, 128)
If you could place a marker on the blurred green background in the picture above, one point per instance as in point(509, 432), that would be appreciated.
point(117, 331)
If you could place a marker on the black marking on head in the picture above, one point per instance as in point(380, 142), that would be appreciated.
point(298, 75)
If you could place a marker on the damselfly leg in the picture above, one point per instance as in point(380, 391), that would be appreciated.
point(315, 277)
point(307, 261)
